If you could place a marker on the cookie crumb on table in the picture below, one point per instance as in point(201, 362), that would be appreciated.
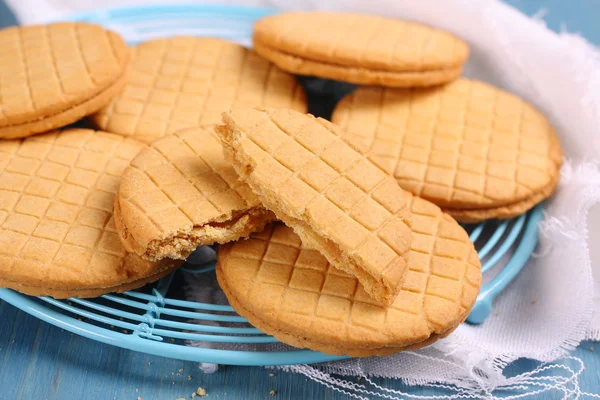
point(272, 392)
point(201, 392)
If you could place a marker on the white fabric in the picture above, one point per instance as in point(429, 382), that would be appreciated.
point(560, 73)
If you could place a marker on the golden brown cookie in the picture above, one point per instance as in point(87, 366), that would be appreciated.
point(358, 48)
point(59, 293)
point(334, 198)
point(181, 193)
point(503, 212)
point(475, 150)
point(291, 292)
point(53, 75)
point(185, 82)
point(57, 233)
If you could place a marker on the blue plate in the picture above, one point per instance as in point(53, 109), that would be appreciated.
point(155, 320)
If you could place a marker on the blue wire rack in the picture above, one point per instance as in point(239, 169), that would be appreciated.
point(154, 321)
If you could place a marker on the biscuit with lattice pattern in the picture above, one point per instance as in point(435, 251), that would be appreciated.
point(334, 197)
point(476, 151)
point(186, 82)
point(181, 193)
point(290, 291)
point(53, 75)
point(57, 232)
point(362, 49)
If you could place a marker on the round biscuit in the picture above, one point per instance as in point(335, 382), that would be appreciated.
point(57, 232)
point(53, 75)
point(503, 212)
point(184, 82)
point(290, 291)
point(464, 146)
point(362, 49)
point(181, 193)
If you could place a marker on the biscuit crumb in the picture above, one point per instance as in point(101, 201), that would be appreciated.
point(193, 395)
point(149, 363)
point(271, 374)
point(181, 370)
point(180, 398)
point(532, 302)
point(272, 392)
point(190, 378)
point(139, 398)
point(201, 392)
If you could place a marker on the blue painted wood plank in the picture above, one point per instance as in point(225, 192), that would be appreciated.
point(40, 361)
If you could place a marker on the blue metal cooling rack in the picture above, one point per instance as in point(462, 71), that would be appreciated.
point(154, 320)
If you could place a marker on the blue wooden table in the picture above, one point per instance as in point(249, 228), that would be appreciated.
point(40, 361)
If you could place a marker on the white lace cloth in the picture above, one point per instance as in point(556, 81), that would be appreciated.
point(559, 73)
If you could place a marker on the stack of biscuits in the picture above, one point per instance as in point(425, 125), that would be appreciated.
point(339, 236)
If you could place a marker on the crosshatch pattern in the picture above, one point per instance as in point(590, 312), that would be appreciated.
point(56, 202)
point(183, 181)
point(45, 69)
point(364, 41)
point(290, 288)
point(184, 82)
point(463, 145)
point(307, 172)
